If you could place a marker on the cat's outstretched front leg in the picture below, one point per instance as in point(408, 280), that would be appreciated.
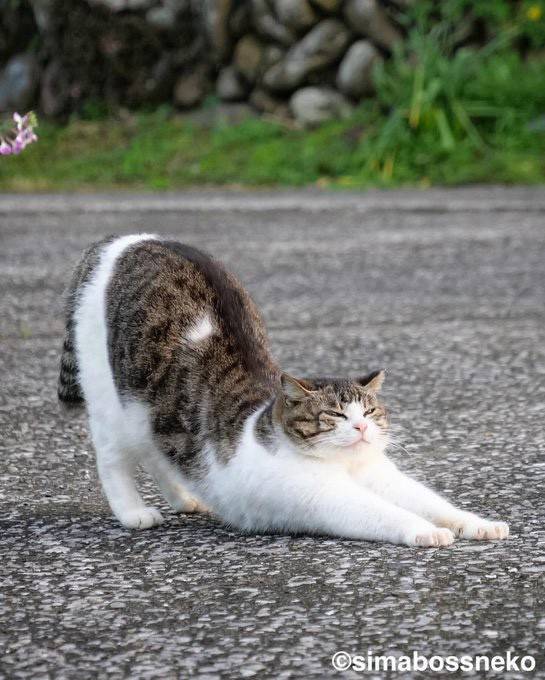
point(337, 507)
point(347, 512)
point(391, 484)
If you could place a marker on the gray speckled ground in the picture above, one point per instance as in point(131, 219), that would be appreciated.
point(445, 289)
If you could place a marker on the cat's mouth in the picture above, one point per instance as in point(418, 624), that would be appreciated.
point(356, 443)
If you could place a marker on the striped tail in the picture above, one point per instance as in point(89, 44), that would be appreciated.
point(68, 388)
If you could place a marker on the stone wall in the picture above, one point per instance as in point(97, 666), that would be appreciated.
point(311, 59)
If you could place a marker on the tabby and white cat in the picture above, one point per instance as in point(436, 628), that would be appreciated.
point(171, 357)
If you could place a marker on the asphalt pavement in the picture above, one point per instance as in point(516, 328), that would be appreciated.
point(445, 289)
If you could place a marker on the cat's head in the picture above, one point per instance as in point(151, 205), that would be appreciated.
point(325, 417)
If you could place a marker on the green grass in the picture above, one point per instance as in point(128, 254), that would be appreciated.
point(474, 116)
point(154, 153)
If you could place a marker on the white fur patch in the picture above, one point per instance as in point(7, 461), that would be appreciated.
point(201, 329)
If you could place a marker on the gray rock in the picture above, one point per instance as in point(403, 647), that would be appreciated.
point(267, 25)
point(229, 85)
point(18, 83)
point(161, 17)
point(248, 57)
point(272, 55)
point(322, 46)
point(355, 75)
point(297, 14)
point(42, 13)
point(191, 87)
point(216, 15)
point(312, 106)
point(367, 18)
point(164, 15)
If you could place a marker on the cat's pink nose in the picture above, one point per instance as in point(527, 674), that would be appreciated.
point(361, 426)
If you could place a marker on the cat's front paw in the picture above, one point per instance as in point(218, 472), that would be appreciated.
point(479, 529)
point(430, 536)
point(141, 518)
point(435, 538)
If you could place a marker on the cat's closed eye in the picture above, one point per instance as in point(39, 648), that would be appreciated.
point(369, 411)
point(335, 414)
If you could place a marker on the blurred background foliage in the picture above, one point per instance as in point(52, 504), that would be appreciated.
point(460, 99)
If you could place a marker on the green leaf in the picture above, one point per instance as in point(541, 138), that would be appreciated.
point(447, 138)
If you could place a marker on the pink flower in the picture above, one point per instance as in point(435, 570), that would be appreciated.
point(19, 137)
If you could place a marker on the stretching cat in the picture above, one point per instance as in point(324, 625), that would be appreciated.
point(171, 357)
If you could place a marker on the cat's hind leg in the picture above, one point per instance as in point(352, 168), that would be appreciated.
point(116, 468)
point(171, 482)
point(113, 437)
point(152, 456)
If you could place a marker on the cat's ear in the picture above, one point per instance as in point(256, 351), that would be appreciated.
point(295, 388)
point(373, 381)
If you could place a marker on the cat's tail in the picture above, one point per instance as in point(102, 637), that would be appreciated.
point(68, 387)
